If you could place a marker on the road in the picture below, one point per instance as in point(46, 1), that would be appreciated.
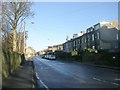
point(59, 74)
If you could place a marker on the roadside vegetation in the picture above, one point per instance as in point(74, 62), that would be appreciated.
point(100, 58)
point(10, 62)
point(13, 36)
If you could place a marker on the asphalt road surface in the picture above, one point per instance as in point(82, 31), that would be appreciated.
point(58, 74)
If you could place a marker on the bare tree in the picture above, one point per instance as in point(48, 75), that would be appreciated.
point(6, 35)
point(14, 13)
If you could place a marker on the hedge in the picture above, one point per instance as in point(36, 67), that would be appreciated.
point(10, 62)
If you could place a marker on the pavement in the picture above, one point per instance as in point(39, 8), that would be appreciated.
point(21, 78)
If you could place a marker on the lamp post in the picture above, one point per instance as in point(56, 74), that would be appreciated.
point(25, 35)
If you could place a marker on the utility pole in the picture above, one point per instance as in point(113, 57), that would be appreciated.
point(24, 37)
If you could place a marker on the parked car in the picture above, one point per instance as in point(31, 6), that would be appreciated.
point(47, 56)
point(52, 57)
point(42, 56)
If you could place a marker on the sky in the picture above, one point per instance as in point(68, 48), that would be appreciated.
point(54, 21)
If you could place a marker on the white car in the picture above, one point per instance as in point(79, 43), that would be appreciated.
point(52, 57)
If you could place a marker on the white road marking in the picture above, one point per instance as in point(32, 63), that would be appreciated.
point(97, 79)
point(45, 86)
point(118, 79)
point(115, 84)
point(105, 81)
point(37, 76)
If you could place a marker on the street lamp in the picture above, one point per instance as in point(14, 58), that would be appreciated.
point(25, 35)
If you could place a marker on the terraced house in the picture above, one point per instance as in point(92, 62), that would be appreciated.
point(101, 36)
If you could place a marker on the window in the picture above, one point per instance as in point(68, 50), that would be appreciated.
point(74, 43)
point(91, 29)
point(88, 30)
point(97, 26)
point(92, 37)
point(85, 39)
point(78, 41)
point(117, 36)
point(82, 39)
point(88, 38)
point(98, 35)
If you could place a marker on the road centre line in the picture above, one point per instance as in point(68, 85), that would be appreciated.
point(105, 81)
point(97, 79)
point(118, 79)
point(115, 83)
